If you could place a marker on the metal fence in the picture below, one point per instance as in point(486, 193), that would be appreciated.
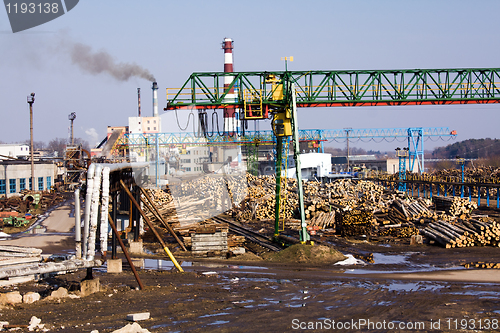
point(483, 193)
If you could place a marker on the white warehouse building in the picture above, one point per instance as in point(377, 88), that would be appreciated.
point(15, 176)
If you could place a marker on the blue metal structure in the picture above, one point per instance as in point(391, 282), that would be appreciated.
point(415, 136)
point(402, 154)
point(268, 136)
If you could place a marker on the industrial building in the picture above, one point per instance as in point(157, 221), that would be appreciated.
point(15, 176)
point(18, 150)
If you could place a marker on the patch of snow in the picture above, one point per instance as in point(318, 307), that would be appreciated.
point(350, 261)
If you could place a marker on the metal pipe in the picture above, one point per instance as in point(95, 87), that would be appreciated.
point(139, 101)
point(137, 229)
point(125, 252)
point(94, 213)
point(78, 225)
point(88, 203)
point(114, 213)
point(151, 226)
point(155, 99)
point(104, 209)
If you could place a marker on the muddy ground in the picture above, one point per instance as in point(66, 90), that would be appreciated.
point(259, 296)
point(401, 288)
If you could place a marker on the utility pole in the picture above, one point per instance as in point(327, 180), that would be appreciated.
point(72, 117)
point(31, 100)
point(347, 130)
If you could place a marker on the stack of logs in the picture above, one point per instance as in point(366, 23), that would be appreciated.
point(464, 233)
point(348, 207)
point(455, 206)
point(356, 222)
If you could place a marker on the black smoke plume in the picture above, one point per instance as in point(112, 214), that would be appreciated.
point(102, 62)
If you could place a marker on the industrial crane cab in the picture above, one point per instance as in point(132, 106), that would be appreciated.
point(282, 124)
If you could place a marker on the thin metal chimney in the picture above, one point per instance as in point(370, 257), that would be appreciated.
point(155, 99)
point(139, 100)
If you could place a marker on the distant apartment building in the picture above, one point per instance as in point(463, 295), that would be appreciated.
point(146, 125)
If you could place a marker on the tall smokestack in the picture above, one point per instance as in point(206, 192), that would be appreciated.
point(229, 112)
point(139, 101)
point(155, 99)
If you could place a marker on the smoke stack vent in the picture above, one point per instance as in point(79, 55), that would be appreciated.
point(155, 99)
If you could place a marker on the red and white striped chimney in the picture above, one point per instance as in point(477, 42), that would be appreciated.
point(230, 121)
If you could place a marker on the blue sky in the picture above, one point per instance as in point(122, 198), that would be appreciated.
point(173, 39)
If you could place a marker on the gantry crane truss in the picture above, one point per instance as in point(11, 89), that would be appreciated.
point(281, 93)
point(341, 88)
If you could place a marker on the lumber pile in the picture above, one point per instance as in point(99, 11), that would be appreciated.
point(455, 206)
point(209, 237)
point(346, 207)
point(398, 231)
point(482, 264)
point(356, 222)
point(323, 220)
point(464, 233)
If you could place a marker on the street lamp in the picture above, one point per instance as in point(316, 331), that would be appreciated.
point(72, 117)
point(31, 100)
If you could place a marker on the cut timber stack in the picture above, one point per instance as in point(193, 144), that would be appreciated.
point(324, 220)
point(455, 206)
point(356, 222)
point(464, 233)
point(399, 231)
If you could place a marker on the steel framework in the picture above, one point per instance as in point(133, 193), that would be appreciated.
point(268, 136)
point(341, 88)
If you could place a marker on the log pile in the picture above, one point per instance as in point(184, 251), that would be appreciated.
point(356, 222)
point(482, 264)
point(346, 207)
point(324, 220)
point(464, 233)
point(398, 231)
point(455, 206)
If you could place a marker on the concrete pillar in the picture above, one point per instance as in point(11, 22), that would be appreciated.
point(114, 265)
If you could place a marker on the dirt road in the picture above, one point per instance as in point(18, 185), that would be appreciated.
point(58, 235)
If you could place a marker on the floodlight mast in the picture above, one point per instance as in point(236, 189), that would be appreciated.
point(72, 117)
point(31, 100)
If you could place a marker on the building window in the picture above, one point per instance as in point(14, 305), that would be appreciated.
point(40, 183)
point(22, 184)
point(12, 186)
point(49, 183)
point(148, 128)
point(31, 185)
point(2, 186)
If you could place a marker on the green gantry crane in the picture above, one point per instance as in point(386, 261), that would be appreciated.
point(261, 95)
